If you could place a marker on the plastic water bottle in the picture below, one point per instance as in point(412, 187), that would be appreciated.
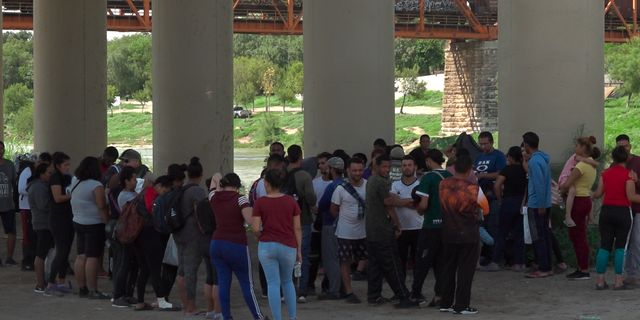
point(297, 270)
point(561, 203)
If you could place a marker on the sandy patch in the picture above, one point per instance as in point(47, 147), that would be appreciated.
point(289, 131)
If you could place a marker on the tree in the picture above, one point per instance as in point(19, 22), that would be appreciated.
point(143, 96)
point(296, 75)
point(129, 62)
point(624, 62)
point(17, 61)
point(112, 92)
point(427, 55)
point(268, 84)
point(278, 50)
point(16, 97)
point(284, 88)
point(247, 79)
point(409, 84)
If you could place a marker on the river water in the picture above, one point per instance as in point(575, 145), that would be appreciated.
point(248, 164)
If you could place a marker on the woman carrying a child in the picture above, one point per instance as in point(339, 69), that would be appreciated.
point(581, 178)
point(571, 195)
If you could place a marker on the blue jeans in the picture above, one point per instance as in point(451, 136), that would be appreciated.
point(510, 220)
point(231, 257)
point(277, 261)
point(491, 224)
point(306, 246)
point(542, 246)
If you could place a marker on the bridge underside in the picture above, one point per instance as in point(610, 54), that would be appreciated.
point(286, 17)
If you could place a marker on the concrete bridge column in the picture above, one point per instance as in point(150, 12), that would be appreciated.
point(70, 77)
point(551, 66)
point(193, 83)
point(349, 74)
point(470, 98)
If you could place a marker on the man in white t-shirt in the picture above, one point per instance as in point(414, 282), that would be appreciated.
point(347, 204)
point(319, 186)
point(409, 218)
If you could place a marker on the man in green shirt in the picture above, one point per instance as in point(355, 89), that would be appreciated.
point(383, 227)
point(429, 252)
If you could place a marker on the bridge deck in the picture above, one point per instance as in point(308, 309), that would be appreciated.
point(456, 20)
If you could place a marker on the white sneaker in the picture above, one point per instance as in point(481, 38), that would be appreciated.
point(301, 299)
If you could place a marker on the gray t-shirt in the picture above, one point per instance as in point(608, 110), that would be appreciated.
point(8, 178)
point(190, 232)
point(83, 202)
point(124, 197)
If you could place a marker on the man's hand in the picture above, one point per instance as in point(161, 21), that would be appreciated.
point(542, 211)
point(314, 210)
point(480, 176)
point(633, 176)
point(398, 234)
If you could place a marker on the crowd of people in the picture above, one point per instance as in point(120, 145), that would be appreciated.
point(348, 217)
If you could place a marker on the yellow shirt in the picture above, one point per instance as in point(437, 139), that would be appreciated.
point(585, 182)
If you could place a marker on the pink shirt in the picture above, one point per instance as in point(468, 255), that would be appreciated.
point(566, 171)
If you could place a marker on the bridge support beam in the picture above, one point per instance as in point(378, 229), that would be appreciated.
point(470, 87)
point(550, 85)
point(70, 77)
point(193, 83)
point(349, 75)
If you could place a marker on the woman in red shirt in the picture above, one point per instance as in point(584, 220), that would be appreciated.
point(229, 250)
point(616, 217)
point(280, 241)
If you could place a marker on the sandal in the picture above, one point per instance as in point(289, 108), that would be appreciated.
point(629, 285)
point(569, 224)
point(605, 287)
point(199, 314)
point(535, 275)
point(146, 307)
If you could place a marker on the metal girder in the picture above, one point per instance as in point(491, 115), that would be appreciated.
point(471, 17)
point(136, 16)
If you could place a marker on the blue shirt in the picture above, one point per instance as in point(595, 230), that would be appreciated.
point(490, 163)
point(324, 206)
point(539, 181)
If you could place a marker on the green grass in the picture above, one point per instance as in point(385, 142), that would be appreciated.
point(622, 102)
point(621, 121)
point(428, 99)
point(130, 128)
point(430, 123)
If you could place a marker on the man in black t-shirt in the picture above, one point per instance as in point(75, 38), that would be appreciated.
point(420, 152)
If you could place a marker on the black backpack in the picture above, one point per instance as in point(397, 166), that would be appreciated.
point(205, 217)
point(289, 185)
point(166, 214)
point(16, 195)
point(115, 209)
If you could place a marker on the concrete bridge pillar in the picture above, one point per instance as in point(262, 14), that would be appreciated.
point(551, 66)
point(470, 99)
point(70, 77)
point(193, 83)
point(349, 74)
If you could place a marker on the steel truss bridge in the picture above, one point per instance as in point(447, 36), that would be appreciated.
point(456, 20)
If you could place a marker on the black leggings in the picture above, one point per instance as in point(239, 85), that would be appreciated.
point(63, 233)
point(126, 274)
point(169, 272)
point(149, 252)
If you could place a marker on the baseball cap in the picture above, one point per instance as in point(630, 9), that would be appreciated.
point(397, 153)
point(336, 163)
point(130, 154)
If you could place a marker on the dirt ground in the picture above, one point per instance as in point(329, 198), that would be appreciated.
point(500, 295)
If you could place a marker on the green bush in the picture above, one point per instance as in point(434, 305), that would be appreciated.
point(269, 130)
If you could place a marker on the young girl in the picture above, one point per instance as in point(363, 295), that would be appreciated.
point(566, 171)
